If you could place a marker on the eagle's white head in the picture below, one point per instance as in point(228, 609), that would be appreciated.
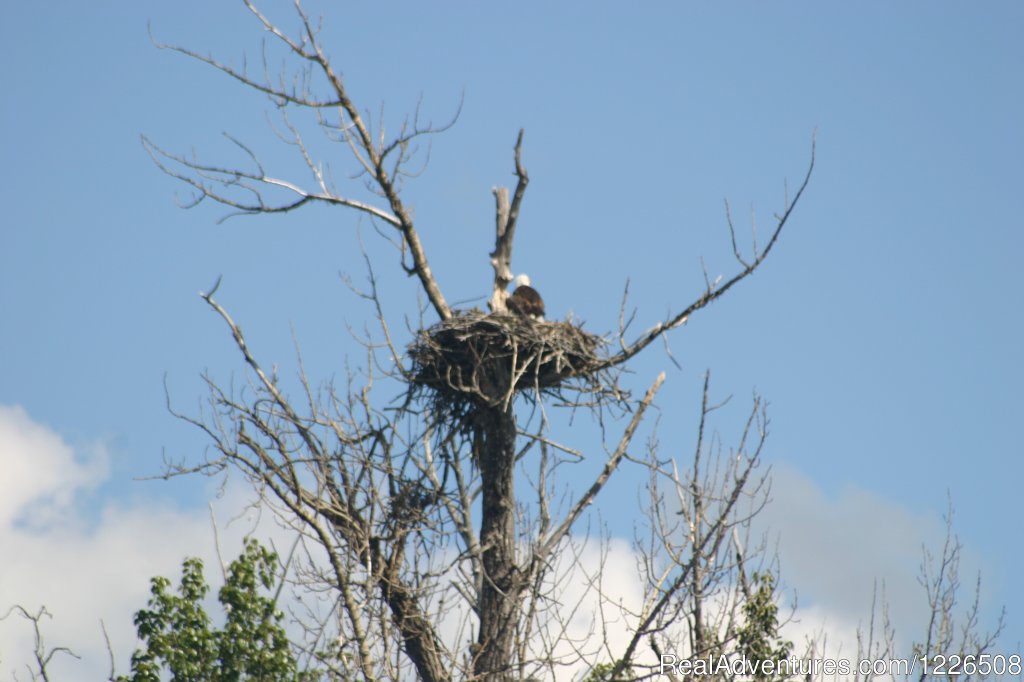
point(522, 280)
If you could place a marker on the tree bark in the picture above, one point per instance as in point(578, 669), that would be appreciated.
point(499, 587)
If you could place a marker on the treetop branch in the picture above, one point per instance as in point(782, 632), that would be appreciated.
point(506, 214)
point(371, 154)
point(714, 290)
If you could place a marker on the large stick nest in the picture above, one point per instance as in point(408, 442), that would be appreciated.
point(476, 358)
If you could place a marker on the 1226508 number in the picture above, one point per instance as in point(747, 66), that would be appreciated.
point(972, 664)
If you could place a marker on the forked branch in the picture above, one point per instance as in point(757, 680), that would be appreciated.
point(505, 230)
point(715, 289)
point(206, 179)
point(42, 654)
point(380, 160)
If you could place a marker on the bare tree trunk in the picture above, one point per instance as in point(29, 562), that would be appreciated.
point(499, 586)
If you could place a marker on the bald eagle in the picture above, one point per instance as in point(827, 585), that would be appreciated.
point(525, 301)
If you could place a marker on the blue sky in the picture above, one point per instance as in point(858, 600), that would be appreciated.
point(884, 330)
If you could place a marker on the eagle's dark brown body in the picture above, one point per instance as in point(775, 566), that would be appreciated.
point(527, 302)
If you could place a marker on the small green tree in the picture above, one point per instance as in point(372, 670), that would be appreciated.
point(179, 638)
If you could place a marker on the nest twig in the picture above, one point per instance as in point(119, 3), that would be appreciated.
point(478, 359)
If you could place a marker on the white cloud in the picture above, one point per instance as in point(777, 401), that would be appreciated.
point(835, 552)
point(82, 572)
point(40, 470)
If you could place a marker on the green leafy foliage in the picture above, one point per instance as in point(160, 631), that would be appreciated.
point(602, 672)
point(180, 640)
point(758, 638)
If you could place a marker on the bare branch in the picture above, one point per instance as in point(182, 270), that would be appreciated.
point(208, 177)
point(376, 158)
point(609, 468)
point(373, 155)
point(292, 97)
point(43, 655)
point(714, 291)
point(505, 230)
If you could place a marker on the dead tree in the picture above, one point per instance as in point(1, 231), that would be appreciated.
point(388, 501)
